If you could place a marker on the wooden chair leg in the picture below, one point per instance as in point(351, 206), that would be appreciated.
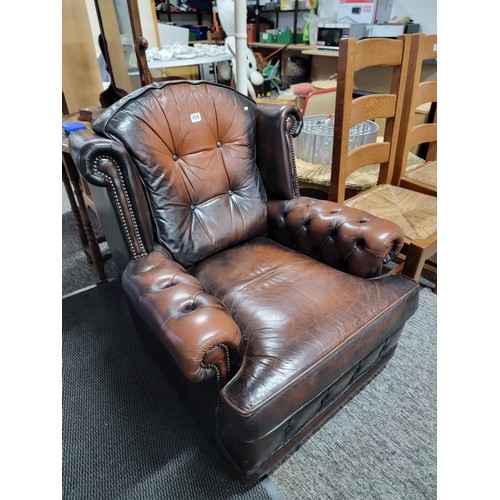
point(414, 262)
point(416, 255)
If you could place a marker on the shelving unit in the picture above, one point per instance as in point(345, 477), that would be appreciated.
point(169, 16)
point(252, 5)
point(277, 12)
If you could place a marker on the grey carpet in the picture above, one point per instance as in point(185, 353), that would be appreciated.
point(125, 432)
point(78, 272)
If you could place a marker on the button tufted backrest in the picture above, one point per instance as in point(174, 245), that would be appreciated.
point(194, 146)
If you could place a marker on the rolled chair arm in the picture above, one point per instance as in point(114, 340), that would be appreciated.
point(193, 325)
point(276, 126)
point(345, 238)
point(106, 163)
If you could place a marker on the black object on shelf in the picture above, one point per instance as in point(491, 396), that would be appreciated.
point(295, 16)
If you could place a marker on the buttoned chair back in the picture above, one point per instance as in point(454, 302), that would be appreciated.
point(197, 163)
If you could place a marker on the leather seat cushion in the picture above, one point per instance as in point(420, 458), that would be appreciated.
point(304, 325)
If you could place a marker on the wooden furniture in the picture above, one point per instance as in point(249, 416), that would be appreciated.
point(414, 212)
point(80, 201)
point(314, 178)
point(117, 26)
point(216, 37)
point(324, 63)
point(79, 60)
point(424, 177)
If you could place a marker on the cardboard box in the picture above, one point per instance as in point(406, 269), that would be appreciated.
point(365, 11)
point(386, 30)
point(287, 5)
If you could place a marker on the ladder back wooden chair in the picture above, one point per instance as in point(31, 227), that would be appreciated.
point(423, 178)
point(414, 212)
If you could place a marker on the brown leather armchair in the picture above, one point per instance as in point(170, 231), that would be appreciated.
point(268, 308)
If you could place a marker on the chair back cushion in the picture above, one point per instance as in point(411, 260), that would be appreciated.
point(194, 146)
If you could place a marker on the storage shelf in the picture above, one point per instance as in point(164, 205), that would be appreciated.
point(295, 11)
point(290, 46)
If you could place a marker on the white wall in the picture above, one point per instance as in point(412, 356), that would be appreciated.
point(423, 12)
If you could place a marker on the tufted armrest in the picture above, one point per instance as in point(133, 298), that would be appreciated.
point(194, 326)
point(346, 238)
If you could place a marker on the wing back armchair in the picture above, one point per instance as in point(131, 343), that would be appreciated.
point(267, 308)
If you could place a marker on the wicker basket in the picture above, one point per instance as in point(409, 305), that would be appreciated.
point(315, 142)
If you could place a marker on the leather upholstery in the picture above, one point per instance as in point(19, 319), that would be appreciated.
point(276, 297)
point(275, 126)
point(270, 306)
point(174, 302)
point(203, 170)
point(342, 237)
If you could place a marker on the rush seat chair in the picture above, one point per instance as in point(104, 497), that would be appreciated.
point(412, 135)
point(414, 212)
point(267, 309)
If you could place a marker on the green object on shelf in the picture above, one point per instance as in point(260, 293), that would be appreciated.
point(285, 36)
point(267, 37)
point(307, 27)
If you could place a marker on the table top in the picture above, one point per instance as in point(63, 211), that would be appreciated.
point(176, 62)
point(314, 51)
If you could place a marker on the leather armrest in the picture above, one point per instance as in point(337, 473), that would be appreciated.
point(193, 325)
point(106, 163)
point(276, 126)
point(345, 238)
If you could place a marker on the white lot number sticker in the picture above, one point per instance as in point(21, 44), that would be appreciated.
point(195, 117)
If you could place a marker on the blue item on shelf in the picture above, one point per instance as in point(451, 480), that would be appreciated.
point(69, 127)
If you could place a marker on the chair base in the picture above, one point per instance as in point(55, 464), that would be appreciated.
point(202, 399)
point(326, 410)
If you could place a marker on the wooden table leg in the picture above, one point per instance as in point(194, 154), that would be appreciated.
point(71, 180)
point(76, 212)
